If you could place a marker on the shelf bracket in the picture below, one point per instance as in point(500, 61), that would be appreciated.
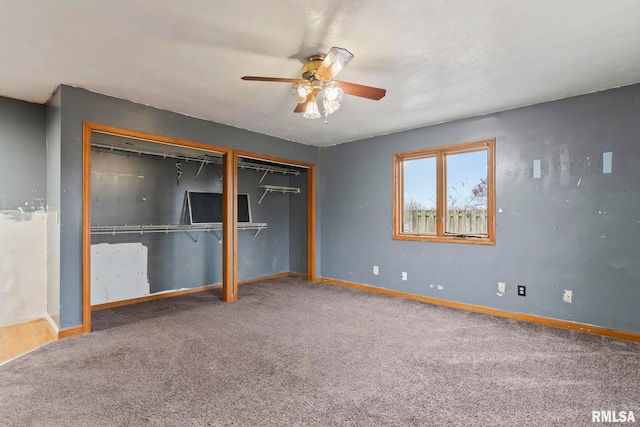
point(260, 228)
point(266, 171)
point(265, 193)
point(195, 239)
point(200, 168)
point(178, 172)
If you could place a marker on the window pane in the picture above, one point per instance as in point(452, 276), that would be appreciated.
point(466, 196)
point(419, 196)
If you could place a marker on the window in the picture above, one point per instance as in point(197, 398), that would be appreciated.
point(445, 194)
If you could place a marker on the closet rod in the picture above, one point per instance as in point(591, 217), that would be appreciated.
point(163, 154)
point(242, 164)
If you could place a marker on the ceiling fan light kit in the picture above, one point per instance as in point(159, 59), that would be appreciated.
point(317, 79)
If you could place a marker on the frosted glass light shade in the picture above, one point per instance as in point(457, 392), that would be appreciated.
point(329, 107)
point(312, 109)
point(300, 91)
point(331, 98)
point(333, 92)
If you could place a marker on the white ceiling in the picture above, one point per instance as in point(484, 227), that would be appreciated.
point(439, 60)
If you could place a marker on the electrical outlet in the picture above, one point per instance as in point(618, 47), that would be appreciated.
point(375, 270)
point(522, 291)
point(404, 275)
point(567, 296)
point(502, 287)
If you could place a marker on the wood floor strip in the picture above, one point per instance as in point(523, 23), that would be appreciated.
point(21, 338)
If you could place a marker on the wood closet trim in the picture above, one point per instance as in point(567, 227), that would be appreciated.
point(228, 208)
point(89, 127)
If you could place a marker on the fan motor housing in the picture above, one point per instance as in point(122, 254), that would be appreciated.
point(312, 65)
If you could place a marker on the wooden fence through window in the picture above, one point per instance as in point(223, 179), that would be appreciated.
point(459, 221)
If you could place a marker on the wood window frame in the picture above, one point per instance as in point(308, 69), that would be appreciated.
point(439, 153)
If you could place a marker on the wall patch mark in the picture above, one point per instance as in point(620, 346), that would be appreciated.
point(537, 171)
point(607, 162)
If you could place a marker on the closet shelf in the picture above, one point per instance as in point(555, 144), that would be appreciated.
point(172, 228)
point(203, 159)
point(278, 189)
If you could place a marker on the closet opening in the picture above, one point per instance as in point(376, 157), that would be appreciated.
point(282, 197)
point(145, 234)
point(164, 217)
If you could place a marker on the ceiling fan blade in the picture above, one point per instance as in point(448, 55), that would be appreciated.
point(335, 61)
point(301, 107)
point(271, 79)
point(362, 91)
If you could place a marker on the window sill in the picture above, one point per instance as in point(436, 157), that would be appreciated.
point(487, 241)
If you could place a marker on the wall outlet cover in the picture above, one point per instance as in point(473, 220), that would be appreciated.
point(567, 296)
point(522, 291)
point(502, 287)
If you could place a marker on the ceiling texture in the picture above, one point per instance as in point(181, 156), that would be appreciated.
point(439, 60)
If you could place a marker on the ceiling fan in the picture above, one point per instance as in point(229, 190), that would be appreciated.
point(317, 84)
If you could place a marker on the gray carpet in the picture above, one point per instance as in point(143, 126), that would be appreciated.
point(290, 353)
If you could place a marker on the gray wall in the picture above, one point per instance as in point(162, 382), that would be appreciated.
point(23, 159)
point(79, 105)
point(574, 228)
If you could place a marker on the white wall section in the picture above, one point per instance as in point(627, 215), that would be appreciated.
point(23, 266)
point(118, 272)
